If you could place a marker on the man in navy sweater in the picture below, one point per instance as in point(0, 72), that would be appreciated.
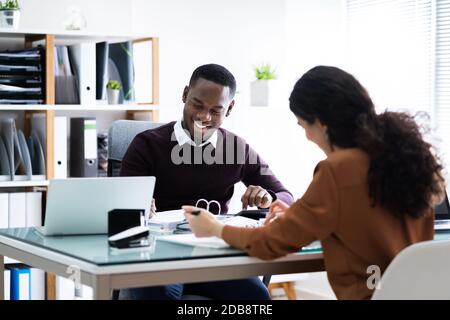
point(195, 159)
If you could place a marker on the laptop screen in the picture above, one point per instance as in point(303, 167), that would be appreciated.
point(442, 211)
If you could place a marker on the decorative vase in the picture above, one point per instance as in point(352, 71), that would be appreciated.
point(264, 93)
point(9, 19)
point(113, 96)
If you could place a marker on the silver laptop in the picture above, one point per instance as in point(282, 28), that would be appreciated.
point(81, 205)
point(442, 215)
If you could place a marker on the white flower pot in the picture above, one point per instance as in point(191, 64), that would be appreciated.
point(113, 96)
point(9, 19)
point(264, 93)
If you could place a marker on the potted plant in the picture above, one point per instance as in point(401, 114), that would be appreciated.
point(9, 14)
point(264, 89)
point(113, 89)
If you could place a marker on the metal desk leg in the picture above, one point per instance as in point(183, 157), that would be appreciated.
point(102, 288)
point(2, 278)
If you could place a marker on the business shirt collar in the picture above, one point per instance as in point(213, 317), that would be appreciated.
point(183, 137)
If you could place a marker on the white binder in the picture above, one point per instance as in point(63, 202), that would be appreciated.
point(83, 58)
point(37, 284)
point(33, 209)
point(60, 143)
point(17, 210)
point(4, 209)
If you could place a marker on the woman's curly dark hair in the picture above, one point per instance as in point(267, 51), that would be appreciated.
point(404, 176)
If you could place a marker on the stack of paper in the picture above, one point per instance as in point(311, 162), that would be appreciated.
point(166, 219)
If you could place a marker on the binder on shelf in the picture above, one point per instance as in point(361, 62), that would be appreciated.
point(7, 284)
point(37, 291)
point(83, 57)
point(66, 90)
point(20, 284)
point(101, 59)
point(60, 145)
point(17, 210)
point(4, 209)
point(33, 209)
point(121, 63)
point(83, 147)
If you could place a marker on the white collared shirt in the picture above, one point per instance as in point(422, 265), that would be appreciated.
point(183, 136)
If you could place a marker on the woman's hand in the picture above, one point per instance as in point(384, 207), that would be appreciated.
point(152, 209)
point(203, 223)
point(277, 209)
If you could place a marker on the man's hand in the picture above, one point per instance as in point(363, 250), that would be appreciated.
point(277, 209)
point(152, 209)
point(256, 196)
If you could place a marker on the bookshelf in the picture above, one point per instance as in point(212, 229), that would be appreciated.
point(48, 40)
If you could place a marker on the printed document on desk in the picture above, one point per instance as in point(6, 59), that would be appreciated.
point(190, 239)
point(167, 219)
point(211, 242)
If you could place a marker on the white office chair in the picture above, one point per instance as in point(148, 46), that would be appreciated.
point(421, 271)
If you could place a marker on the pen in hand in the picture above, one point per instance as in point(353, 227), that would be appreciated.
point(195, 213)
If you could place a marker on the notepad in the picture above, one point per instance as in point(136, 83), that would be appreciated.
point(191, 240)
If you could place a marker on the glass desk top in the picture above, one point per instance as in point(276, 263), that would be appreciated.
point(95, 248)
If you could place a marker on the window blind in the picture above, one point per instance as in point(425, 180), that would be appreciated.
point(390, 50)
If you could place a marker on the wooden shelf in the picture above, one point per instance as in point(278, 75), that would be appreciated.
point(27, 183)
point(71, 36)
point(77, 107)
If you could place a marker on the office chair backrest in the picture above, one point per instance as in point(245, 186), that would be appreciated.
point(421, 271)
point(120, 135)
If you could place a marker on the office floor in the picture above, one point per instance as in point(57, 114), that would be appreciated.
point(310, 286)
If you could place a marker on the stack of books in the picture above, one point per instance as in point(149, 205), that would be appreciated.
point(21, 76)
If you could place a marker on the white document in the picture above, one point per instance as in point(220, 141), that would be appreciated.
point(37, 284)
point(190, 239)
point(167, 219)
point(211, 242)
point(83, 55)
point(60, 159)
point(17, 210)
point(33, 209)
point(238, 221)
point(4, 209)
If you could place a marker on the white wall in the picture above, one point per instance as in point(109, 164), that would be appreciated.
point(105, 16)
point(292, 35)
point(237, 34)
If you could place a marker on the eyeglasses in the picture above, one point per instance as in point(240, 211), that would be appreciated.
point(208, 204)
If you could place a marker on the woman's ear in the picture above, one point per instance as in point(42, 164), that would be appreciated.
point(185, 94)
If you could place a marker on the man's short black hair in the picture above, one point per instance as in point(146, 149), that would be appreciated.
point(215, 73)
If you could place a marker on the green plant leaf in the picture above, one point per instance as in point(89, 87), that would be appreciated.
point(265, 72)
point(113, 84)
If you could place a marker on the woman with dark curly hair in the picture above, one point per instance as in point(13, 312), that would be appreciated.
point(370, 198)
